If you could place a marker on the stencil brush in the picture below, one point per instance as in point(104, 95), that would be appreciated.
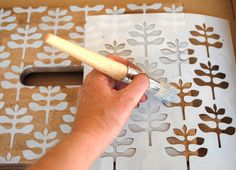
point(109, 67)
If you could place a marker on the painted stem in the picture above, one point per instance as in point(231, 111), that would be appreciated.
point(208, 53)
point(18, 87)
point(183, 113)
point(149, 138)
point(188, 164)
point(23, 53)
point(114, 165)
point(28, 16)
point(213, 92)
point(219, 142)
point(12, 140)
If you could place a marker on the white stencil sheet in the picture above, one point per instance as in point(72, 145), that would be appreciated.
point(195, 54)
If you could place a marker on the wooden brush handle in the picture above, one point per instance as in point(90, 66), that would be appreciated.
point(103, 64)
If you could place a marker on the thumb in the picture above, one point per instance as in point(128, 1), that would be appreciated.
point(132, 93)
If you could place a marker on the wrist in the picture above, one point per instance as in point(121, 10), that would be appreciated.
point(93, 129)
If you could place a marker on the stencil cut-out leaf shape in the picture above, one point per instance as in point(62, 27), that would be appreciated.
point(138, 118)
point(25, 119)
point(4, 119)
point(223, 85)
point(156, 73)
point(172, 151)
point(120, 46)
point(183, 45)
point(133, 42)
point(171, 45)
point(197, 141)
point(218, 44)
point(221, 111)
point(205, 117)
point(214, 36)
point(162, 127)
point(155, 33)
point(166, 60)
point(195, 33)
point(139, 27)
point(108, 46)
point(26, 129)
point(192, 132)
point(178, 132)
point(196, 102)
point(68, 118)
point(202, 152)
point(199, 27)
point(205, 128)
point(104, 53)
point(229, 130)
point(157, 41)
point(135, 34)
point(167, 52)
point(174, 140)
point(161, 117)
point(142, 109)
point(227, 120)
point(215, 68)
point(150, 27)
point(125, 53)
point(136, 128)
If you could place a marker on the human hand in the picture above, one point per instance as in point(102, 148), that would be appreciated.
point(105, 104)
point(104, 107)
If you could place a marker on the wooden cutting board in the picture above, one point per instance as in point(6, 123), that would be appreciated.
point(45, 113)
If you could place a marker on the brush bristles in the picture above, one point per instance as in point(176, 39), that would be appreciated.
point(167, 94)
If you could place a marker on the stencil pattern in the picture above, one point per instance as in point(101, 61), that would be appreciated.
point(86, 9)
point(144, 7)
point(205, 33)
point(115, 49)
point(6, 20)
point(148, 115)
point(115, 11)
point(174, 9)
point(14, 117)
point(78, 35)
point(57, 20)
point(113, 151)
point(54, 56)
point(1, 103)
point(32, 145)
point(68, 118)
point(4, 61)
point(177, 52)
point(215, 114)
point(22, 39)
point(43, 141)
point(48, 95)
point(210, 69)
point(152, 71)
point(14, 80)
point(9, 159)
point(29, 11)
point(185, 133)
point(144, 32)
point(182, 95)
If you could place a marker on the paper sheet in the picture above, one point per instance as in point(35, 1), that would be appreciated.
point(195, 54)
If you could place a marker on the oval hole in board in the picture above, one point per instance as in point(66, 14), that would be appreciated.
point(52, 76)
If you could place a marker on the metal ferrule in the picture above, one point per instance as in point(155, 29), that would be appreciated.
point(131, 73)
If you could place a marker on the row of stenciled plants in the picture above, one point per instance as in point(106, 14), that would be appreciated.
point(148, 113)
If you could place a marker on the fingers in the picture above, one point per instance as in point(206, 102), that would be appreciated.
point(133, 93)
point(99, 79)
